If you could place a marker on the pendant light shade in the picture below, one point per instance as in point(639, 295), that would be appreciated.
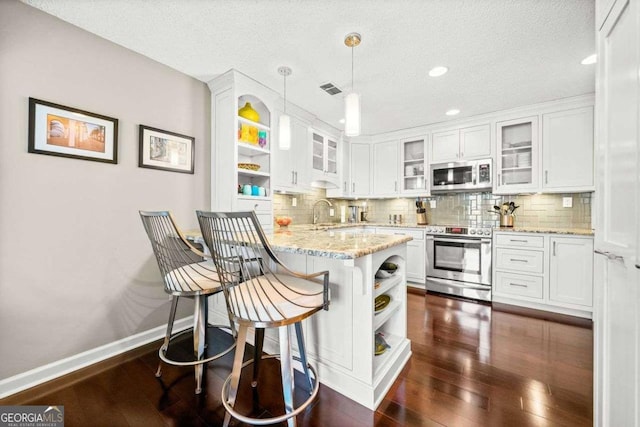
point(352, 114)
point(352, 100)
point(284, 125)
point(284, 132)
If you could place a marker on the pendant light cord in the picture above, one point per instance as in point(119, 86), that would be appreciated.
point(352, 89)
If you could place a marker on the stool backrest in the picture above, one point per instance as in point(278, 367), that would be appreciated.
point(243, 257)
point(181, 265)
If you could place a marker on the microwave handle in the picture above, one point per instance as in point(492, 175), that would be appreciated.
point(475, 173)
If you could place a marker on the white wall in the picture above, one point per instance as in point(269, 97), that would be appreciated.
point(76, 269)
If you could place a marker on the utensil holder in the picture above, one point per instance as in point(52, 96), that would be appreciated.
point(506, 220)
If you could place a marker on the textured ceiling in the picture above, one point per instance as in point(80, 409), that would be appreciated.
point(500, 53)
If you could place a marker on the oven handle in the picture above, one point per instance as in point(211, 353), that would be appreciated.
point(454, 240)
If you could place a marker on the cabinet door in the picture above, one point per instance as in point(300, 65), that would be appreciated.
point(299, 157)
point(360, 169)
point(571, 271)
point(445, 146)
point(385, 167)
point(517, 155)
point(317, 144)
point(567, 150)
point(413, 167)
point(475, 142)
point(416, 261)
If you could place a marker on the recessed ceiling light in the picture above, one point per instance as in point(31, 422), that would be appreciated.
point(452, 112)
point(438, 71)
point(341, 121)
point(591, 59)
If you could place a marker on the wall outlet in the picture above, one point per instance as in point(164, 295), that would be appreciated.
point(332, 212)
point(432, 204)
point(294, 202)
point(567, 202)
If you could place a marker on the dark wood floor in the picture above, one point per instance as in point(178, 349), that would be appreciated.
point(471, 365)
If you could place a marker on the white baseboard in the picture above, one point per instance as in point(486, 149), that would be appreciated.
point(25, 380)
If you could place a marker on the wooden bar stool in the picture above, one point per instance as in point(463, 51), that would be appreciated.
point(185, 273)
point(260, 296)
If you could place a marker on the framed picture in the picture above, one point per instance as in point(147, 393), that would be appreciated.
point(164, 150)
point(57, 130)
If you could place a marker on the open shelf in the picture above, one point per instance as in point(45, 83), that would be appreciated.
point(244, 197)
point(380, 361)
point(248, 172)
point(252, 123)
point(386, 284)
point(250, 150)
point(381, 317)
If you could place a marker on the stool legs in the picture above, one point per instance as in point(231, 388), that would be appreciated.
point(237, 369)
point(167, 337)
point(287, 372)
point(199, 329)
point(257, 354)
point(303, 355)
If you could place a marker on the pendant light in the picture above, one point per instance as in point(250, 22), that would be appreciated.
point(352, 100)
point(284, 126)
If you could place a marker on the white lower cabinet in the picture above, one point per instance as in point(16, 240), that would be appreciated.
point(571, 271)
point(416, 252)
point(544, 271)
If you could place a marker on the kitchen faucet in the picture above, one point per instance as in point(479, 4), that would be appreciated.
point(315, 217)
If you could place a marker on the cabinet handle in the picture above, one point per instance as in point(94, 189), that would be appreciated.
point(609, 255)
point(353, 187)
point(345, 186)
point(292, 177)
point(519, 260)
point(518, 240)
point(395, 186)
point(296, 178)
point(499, 181)
point(554, 249)
point(461, 154)
point(546, 177)
point(518, 284)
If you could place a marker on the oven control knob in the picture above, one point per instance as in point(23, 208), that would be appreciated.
point(473, 231)
point(487, 232)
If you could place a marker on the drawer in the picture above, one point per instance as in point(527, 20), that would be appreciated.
point(519, 285)
point(508, 239)
point(254, 205)
point(520, 260)
point(416, 234)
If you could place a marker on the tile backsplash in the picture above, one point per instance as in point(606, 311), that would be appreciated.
point(471, 209)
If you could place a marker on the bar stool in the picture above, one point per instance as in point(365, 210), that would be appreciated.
point(185, 274)
point(260, 296)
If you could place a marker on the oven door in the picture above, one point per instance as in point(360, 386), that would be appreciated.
point(462, 259)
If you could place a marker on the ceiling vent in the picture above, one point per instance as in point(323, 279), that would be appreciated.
point(330, 88)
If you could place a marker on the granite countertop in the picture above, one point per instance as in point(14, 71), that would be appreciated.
point(326, 243)
point(339, 225)
point(548, 230)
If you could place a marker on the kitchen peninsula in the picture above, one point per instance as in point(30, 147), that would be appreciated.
point(341, 342)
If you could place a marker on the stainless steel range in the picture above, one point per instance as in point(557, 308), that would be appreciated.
point(459, 261)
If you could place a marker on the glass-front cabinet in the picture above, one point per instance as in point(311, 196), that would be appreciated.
point(414, 170)
point(517, 156)
point(325, 158)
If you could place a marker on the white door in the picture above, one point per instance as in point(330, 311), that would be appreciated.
point(567, 149)
point(571, 271)
point(617, 286)
point(385, 168)
point(475, 142)
point(360, 168)
point(445, 146)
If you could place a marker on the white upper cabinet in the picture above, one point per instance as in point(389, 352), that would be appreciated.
point(466, 143)
point(344, 184)
point(324, 158)
point(567, 150)
point(360, 157)
point(385, 168)
point(291, 170)
point(517, 156)
point(413, 167)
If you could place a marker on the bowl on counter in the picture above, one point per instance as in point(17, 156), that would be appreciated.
point(283, 221)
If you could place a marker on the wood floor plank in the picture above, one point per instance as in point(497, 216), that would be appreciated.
point(471, 366)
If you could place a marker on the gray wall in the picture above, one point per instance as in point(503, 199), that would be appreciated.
point(76, 269)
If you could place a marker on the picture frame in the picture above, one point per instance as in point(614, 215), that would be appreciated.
point(164, 150)
point(58, 130)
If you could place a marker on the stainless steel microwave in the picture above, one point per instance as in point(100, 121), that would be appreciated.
point(466, 175)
